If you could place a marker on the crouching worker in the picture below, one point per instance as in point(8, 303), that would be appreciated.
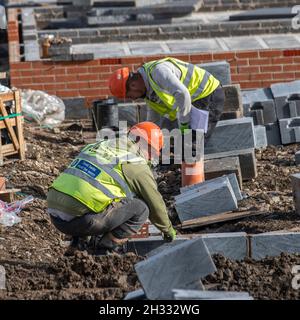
point(109, 191)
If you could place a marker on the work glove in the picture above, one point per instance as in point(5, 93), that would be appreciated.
point(170, 235)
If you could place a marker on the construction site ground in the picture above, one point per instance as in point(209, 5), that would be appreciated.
point(32, 251)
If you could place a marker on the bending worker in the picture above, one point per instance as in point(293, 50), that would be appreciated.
point(170, 87)
point(109, 191)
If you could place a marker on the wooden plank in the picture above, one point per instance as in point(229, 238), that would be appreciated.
point(8, 149)
point(9, 127)
point(8, 96)
point(221, 217)
point(8, 195)
point(12, 122)
point(19, 124)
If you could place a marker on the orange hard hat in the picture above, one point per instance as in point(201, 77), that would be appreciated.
point(117, 82)
point(150, 132)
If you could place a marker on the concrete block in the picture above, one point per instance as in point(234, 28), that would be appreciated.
point(220, 70)
point(231, 135)
point(231, 177)
point(75, 108)
point(273, 134)
point(296, 191)
point(231, 245)
point(218, 167)
point(256, 98)
point(136, 295)
point(290, 130)
point(210, 295)
point(181, 267)
point(272, 244)
point(82, 56)
point(260, 135)
point(212, 198)
point(287, 99)
point(231, 115)
point(297, 158)
point(247, 161)
point(65, 57)
point(263, 112)
point(233, 98)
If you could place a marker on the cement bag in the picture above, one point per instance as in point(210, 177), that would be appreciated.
point(42, 108)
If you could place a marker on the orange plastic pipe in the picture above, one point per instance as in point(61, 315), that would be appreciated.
point(192, 173)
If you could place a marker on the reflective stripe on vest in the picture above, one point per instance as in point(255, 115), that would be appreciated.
point(108, 168)
point(78, 173)
point(201, 86)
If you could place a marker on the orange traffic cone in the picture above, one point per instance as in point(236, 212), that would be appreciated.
point(192, 173)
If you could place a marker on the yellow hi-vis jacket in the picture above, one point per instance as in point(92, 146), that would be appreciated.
point(95, 176)
point(199, 82)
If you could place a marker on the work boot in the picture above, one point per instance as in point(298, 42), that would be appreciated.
point(102, 245)
point(77, 244)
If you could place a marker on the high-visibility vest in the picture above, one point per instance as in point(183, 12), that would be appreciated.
point(199, 82)
point(95, 176)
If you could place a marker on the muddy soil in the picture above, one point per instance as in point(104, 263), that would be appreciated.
point(32, 251)
point(267, 279)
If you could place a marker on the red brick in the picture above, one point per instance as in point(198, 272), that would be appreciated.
point(240, 77)
point(43, 79)
point(224, 56)
point(291, 52)
point(54, 86)
point(284, 76)
point(20, 65)
point(78, 70)
point(131, 60)
point(98, 84)
point(251, 85)
point(109, 61)
point(21, 81)
point(14, 73)
point(259, 62)
point(183, 57)
point(75, 85)
point(198, 58)
point(246, 54)
point(67, 78)
point(114, 67)
point(87, 77)
point(67, 93)
point(284, 60)
point(267, 84)
point(239, 62)
point(271, 68)
point(99, 69)
point(270, 53)
point(91, 92)
point(292, 67)
point(296, 59)
point(43, 64)
point(261, 76)
point(250, 69)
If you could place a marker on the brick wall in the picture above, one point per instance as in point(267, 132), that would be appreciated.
point(252, 69)
point(88, 79)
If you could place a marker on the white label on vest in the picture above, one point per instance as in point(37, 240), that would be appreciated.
point(86, 167)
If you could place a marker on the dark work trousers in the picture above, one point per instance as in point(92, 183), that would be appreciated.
point(214, 104)
point(122, 219)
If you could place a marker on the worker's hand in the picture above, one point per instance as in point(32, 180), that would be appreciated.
point(184, 128)
point(170, 236)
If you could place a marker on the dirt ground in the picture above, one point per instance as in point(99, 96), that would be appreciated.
point(32, 251)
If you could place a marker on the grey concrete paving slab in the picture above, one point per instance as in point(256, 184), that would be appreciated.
point(181, 267)
point(273, 134)
point(229, 135)
point(219, 69)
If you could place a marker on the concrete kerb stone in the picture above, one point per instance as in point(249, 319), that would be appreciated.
point(210, 295)
point(209, 199)
point(218, 167)
point(233, 245)
point(297, 158)
point(246, 157)
point(273, 134)
point(290, 130)
point(231, 177)
point(260, 135)
point(296, 191)
point(182, 266)
point(229, 135)
point(274, 243)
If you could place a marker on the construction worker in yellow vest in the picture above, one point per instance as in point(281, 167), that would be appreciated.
point(108, 191)
point(171, 87)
